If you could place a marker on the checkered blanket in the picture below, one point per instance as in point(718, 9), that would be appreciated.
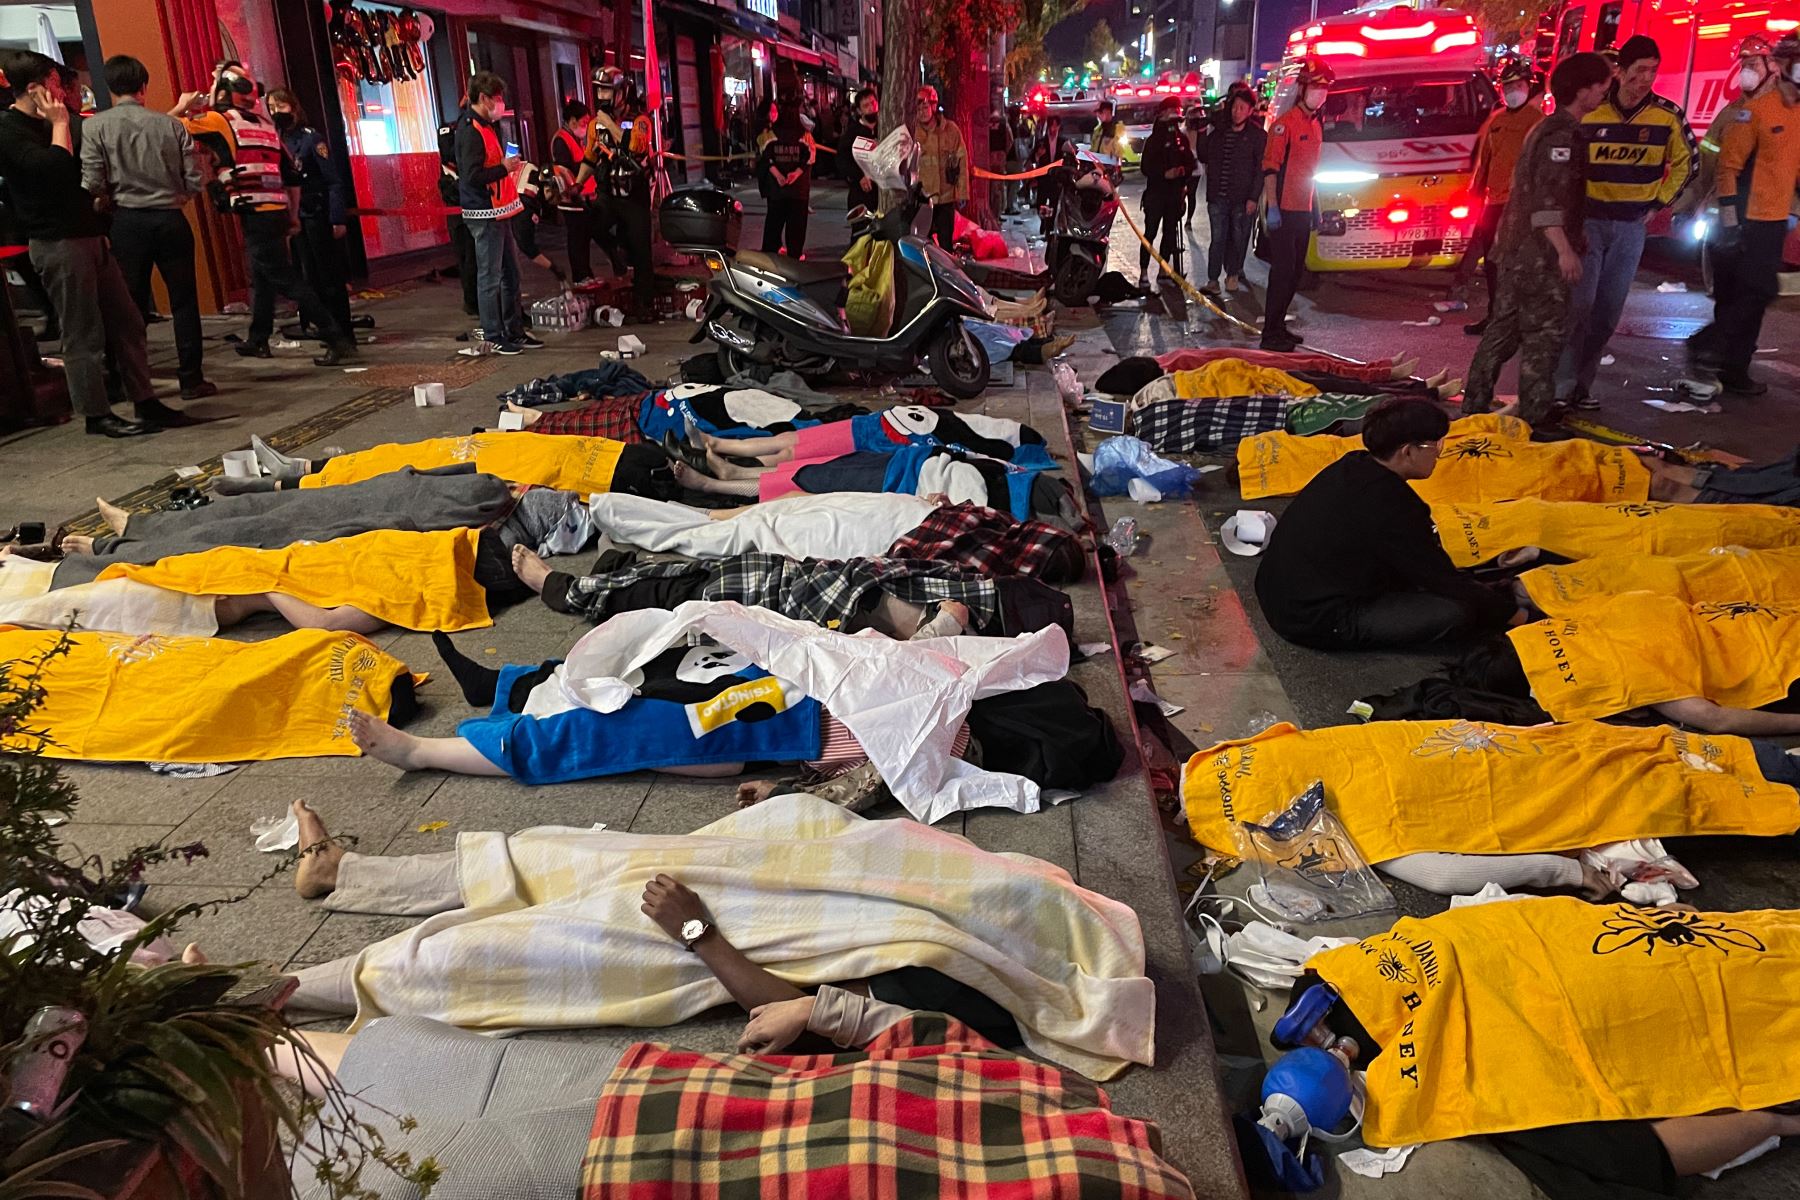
point(614, 417)
point(992, 542)
point(926, 1109)
point(1183, 426)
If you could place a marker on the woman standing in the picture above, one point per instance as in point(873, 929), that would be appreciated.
point(785, 164)
point(324, 206)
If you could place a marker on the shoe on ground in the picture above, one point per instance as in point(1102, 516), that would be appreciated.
point(531, 342)
point(157, 415)
point(254, 350)
point(507, 348)
point(1742, 385)
point(200, 390)
point(1476, 328)
point(1210, 289)
point(1581, 400)
point(1279, 344)
point(1283, 335)
point(117, 427)
point(335, 354)
point(1235, 283)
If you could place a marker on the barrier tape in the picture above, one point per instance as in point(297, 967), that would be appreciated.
point(1195, 293)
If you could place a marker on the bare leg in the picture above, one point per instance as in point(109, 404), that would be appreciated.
point(531, 569)
point(1706, 1143)
point(229, 610)
point(777, 448)
point(725, 514)
point(311, 1059)
point(114, 516)
point(528, 416)
point(343, 618)
point(316, 873)
point(705, 770)
point(1671, 483)
point(687, 477)
point(397, 748)
point(720, 468)
point(1708, 717)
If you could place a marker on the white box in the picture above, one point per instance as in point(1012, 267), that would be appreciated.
point(428, 395)
point(240, 464)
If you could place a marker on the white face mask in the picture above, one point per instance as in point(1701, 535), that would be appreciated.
point(1315, 98)
point(1749, 79)
point(1794, 72)
point(1516, 96)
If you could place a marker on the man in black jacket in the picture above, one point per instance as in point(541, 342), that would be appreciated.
point(1233, 156)
point(490, 200)
point(860, 189)
point(1356, 563)
point(1167, 163)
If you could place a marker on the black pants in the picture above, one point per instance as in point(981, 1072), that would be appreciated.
point(785, 226)
point(1287, 258)
point(463, 243)
point(1162, 211)
point(320, 255)
point(943, 225)
point(1401, 619)
point(584, 227)
point(1743, 286)
point(272, 273)
point(630, 220)
point(146, 239)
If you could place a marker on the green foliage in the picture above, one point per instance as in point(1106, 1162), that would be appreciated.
point(175, 1054)
point(1026, 57)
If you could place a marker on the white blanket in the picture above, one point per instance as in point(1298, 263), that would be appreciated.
point(109, 606)
point(904, 701)
point(831, 525)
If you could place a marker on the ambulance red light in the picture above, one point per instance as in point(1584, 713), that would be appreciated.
point(1313, 31)
point(1459, 212)
point(1402, 33)
point(1467, 37)
point(1782, 25)
point(1342, 49)
point(1190, 88)
point(1296, 35)
point(1399, 216)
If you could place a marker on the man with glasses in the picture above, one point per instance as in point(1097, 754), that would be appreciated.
point(1356, 562)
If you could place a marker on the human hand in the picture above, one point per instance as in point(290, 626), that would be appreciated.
point(339, 231)
point(669, 903)
point(774, 1027)
point(867, 184)
point(1596, 885)
point(1272, 218)
point(514, 162)
point(188, 101)
point(50, 106)
point(293, 228)
point(1250, 208)
point(1568, 265)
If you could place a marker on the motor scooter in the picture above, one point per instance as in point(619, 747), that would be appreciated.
point(1075, 248)
point(781, 312)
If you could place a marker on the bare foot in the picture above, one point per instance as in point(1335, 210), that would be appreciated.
point(755, 791)
point(959, 611)
point(193, 956)
point(1449, 388)
point(315, 874)
point(114, 516)
point(382, 742)
point(531, 570)
point(689, 478)
point(76, 543)
point(529, 416)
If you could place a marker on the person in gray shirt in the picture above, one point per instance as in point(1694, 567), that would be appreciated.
point(141, 165)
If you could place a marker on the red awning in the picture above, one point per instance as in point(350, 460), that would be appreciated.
point(799, 53)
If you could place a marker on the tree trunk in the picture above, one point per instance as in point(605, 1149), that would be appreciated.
point(902, 37)
point(972, 106)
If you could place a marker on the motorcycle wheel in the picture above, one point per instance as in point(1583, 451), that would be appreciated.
point(734, 362)
point(959, 362)
point(1075, 280)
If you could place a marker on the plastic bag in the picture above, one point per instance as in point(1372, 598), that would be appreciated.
point(889, 161)
point(1309, 868)
point(1119, 460)
point(1068, 384)
point(869, 304)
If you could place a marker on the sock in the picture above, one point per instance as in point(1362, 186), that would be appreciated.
point(478, 683)
point(277, 464)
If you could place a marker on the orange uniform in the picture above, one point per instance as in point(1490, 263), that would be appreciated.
point(1497, 149)
point(1292, 157)
point(1768, 128)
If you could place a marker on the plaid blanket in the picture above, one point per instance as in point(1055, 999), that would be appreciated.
point(1182, 426)
point(829, 594)
point(926, 1109)
point(993, 543)
point(614, 417)
point(607, 379)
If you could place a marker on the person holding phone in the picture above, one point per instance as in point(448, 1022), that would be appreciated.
point(490, 200)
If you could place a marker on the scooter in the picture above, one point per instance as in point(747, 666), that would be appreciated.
point(1075, 249)
point(776, 311)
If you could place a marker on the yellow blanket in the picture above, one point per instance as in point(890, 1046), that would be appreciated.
point(1484, 458)
point(1547, 1011)
point(1612, 655)
point(423, 581)
point(1475, 533)
point(552, 936)
point(569, 464)
point(1462, 787)
point(1720, 576)
point(118, 698)
point(1235, 377)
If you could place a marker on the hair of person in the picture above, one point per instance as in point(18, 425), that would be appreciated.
point(862, 94)
point(23, 68)
point(1636, 48)
point(292, 101)
point(574, 110)
point(1576, 74)
point(125, 75)
point(1401, 421)
point(485, 84)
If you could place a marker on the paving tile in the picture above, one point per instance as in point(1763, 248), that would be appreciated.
point(473, 805)
point(1048, 834)
point(267, 925)
point(130, 793)
point(677, 805)
point(78, 842)
point(1222, 705)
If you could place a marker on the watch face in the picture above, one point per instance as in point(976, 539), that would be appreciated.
point(690, 930)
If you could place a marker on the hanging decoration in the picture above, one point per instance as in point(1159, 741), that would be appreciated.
point(377, 45)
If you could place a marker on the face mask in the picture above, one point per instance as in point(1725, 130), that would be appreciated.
point(1749, 79)
point(1516, 97)
point(284, 121)
point(1794, 72)
point(1315, 98)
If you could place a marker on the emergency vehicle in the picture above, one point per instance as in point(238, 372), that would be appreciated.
point(1412, 92)
point(1135, 102)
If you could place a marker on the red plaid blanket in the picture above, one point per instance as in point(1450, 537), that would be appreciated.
point(927, 1109)
point(993, 543)
point(612, 417)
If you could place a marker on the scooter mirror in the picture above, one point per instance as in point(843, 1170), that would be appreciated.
point(859, 213)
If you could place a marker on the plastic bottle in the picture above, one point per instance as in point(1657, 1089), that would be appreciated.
point(1123, 536)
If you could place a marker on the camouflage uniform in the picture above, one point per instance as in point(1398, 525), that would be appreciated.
point(1531, 305)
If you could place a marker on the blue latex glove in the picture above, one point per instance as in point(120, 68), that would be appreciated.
point(1272, 218)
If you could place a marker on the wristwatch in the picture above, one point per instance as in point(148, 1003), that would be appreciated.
point(692, 931)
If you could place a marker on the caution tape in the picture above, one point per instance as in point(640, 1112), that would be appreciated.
point(1195, 293)
point(427, 210)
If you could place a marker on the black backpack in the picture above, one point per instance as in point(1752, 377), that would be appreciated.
point(1049, 734)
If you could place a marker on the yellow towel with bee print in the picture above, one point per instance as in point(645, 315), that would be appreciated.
point(415, 580)
point(1722, 576)
point(1463, 787)
point(568, 464)
point(1484, 458)
point(117, 697)
point(1475, 533)
point(1615, 654)
point(1543, 1011)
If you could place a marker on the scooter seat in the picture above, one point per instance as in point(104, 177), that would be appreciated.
point(801, 271)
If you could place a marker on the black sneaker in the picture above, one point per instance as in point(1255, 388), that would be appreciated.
point(508, 348)
point(1742, 385)
point(335, 354)
point(1581, 400)
point(199, 391)
point(117, 427)
point(157, 415)
point(1476, 328)
point(254, 350)
point(529, 342)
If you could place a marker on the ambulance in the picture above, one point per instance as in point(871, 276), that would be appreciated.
point(1412, 92)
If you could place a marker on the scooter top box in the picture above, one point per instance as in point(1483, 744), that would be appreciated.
point(701, 218)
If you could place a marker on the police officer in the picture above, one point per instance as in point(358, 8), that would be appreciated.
point(1289, 160)
point(618, 155)
point(461, 241)
point(1758, 151)
point(324, 205)
point(1538, 247)
point(1496, 154)
point(255, 178)
point(1168, 165)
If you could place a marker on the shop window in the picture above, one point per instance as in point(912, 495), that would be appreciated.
point(1606, 29)
point(392, 133)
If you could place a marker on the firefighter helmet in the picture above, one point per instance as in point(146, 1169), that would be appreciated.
point(1516, 69)
point(1755, 45)
point(1315, 72)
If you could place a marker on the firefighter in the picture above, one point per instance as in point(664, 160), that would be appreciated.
point(256, 179)
point(1496, 153)
point(1289, 161)
point(1759, 147)
point(618, 155)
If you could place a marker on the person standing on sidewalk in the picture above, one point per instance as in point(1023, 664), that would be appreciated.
point(1538, 246)
point(450, 192)
point(1640, 155)
point(1168, 165)
point(943, 165)
point(859, 188)
point(1233, 157)
point(573, 202)
point(142, 164)
point(1290, 158)
point(1759, 154)
point(325, 195)
point(618, 155)
point(490, 201)
point(786, 162)
point(1496, 154)
point(256, 179)
point(40, 163)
